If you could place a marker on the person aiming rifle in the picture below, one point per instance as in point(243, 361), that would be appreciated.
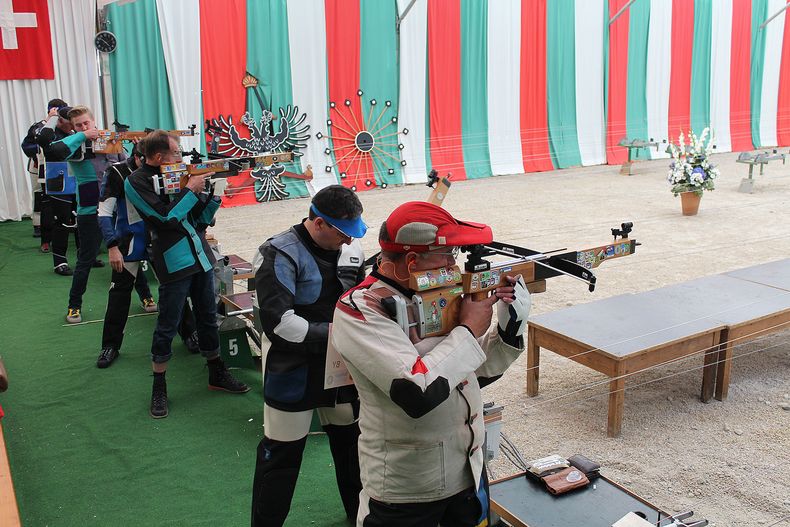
point(182, 261)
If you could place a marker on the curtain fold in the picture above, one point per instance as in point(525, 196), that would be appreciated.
point(680, 76)
point(413, 89)
point(141, 95)
point(502, 90)
point(783, 97)
point(307, 43)
point(343, 33)
point(474, 68)
point(24, 101)
point(719, 53)
point(617, 95)
point(379, 79)
point(561, 84)
point(534, 119)
point(759, 15)
point(444, 88)
point(269, 60)
point(740, 74)
point(178, 21)
point(590, 117)
point(659, 51)
point(774, 33)
point(636, 97)
point(699, 108)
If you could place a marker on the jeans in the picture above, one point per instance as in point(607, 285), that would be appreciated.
point(118, 301)
point(90, 241)
point(172, 295)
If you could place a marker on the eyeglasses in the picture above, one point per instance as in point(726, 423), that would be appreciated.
point(452, 252)
point(343, 234)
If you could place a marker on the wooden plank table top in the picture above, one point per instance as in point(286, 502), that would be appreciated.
point(628, 333)
point(774, 274)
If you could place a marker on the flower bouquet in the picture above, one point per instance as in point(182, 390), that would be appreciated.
point(691, 169)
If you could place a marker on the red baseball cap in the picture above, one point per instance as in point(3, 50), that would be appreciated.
point(418, 226)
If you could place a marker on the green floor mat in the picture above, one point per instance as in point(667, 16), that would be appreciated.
point(82, 447)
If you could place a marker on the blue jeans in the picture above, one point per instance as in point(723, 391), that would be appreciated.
point(172, 295)
point(90, 241)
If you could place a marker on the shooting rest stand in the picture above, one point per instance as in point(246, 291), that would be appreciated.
point(747, 183)
point(631, 145)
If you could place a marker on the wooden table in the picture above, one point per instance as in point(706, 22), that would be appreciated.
point(9, 512)
point(625, 334)
point(522, 502)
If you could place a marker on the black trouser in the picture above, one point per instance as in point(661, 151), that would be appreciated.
point(42, 205)
point(90, 241)
point(461, 510)
point(118, 302)
point(277, 469)
point(62, 209)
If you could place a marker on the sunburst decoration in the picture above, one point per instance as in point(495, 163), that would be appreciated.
point(359, 145)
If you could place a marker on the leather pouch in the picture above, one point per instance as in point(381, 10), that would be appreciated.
point(589, 467)
point(565, 480)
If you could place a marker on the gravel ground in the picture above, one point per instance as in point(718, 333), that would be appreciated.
point(728, 461)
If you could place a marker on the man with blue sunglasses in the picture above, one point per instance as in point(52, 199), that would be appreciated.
point(299, 276)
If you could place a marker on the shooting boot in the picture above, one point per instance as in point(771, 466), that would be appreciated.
point(219, 378)
point(106, 357)
point(159, 397)
point(64, 270)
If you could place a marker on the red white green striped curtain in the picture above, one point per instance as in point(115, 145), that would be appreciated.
point(482, 87)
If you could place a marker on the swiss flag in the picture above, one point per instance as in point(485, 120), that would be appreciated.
point(25, 42)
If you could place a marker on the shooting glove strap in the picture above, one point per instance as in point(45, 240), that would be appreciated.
point(512, 318)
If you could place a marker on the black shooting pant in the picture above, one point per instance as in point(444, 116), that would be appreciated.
point(277, 469)
point(62, 209)
point(43, 206)
point(460, 510)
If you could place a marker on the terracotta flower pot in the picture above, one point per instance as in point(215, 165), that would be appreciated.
point(690, 203)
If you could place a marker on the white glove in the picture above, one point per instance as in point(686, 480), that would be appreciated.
point(512, 318)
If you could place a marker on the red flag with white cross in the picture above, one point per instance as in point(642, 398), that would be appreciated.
point(25, 41)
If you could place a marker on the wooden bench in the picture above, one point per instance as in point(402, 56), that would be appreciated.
point(625, 334)
point(9, 512)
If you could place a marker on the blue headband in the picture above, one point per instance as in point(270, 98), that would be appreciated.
point(354, 228)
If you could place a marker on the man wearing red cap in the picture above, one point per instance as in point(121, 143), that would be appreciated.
point(421, 415)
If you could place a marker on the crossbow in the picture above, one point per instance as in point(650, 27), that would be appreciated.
point(111, 142)
point(438, 292)
point(174, 176)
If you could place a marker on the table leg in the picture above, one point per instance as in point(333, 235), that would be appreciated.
point(723, 366)
point(533, 363)
point(616, 398)
point(709, 371)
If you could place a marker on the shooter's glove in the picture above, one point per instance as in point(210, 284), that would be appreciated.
point(512, 318)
